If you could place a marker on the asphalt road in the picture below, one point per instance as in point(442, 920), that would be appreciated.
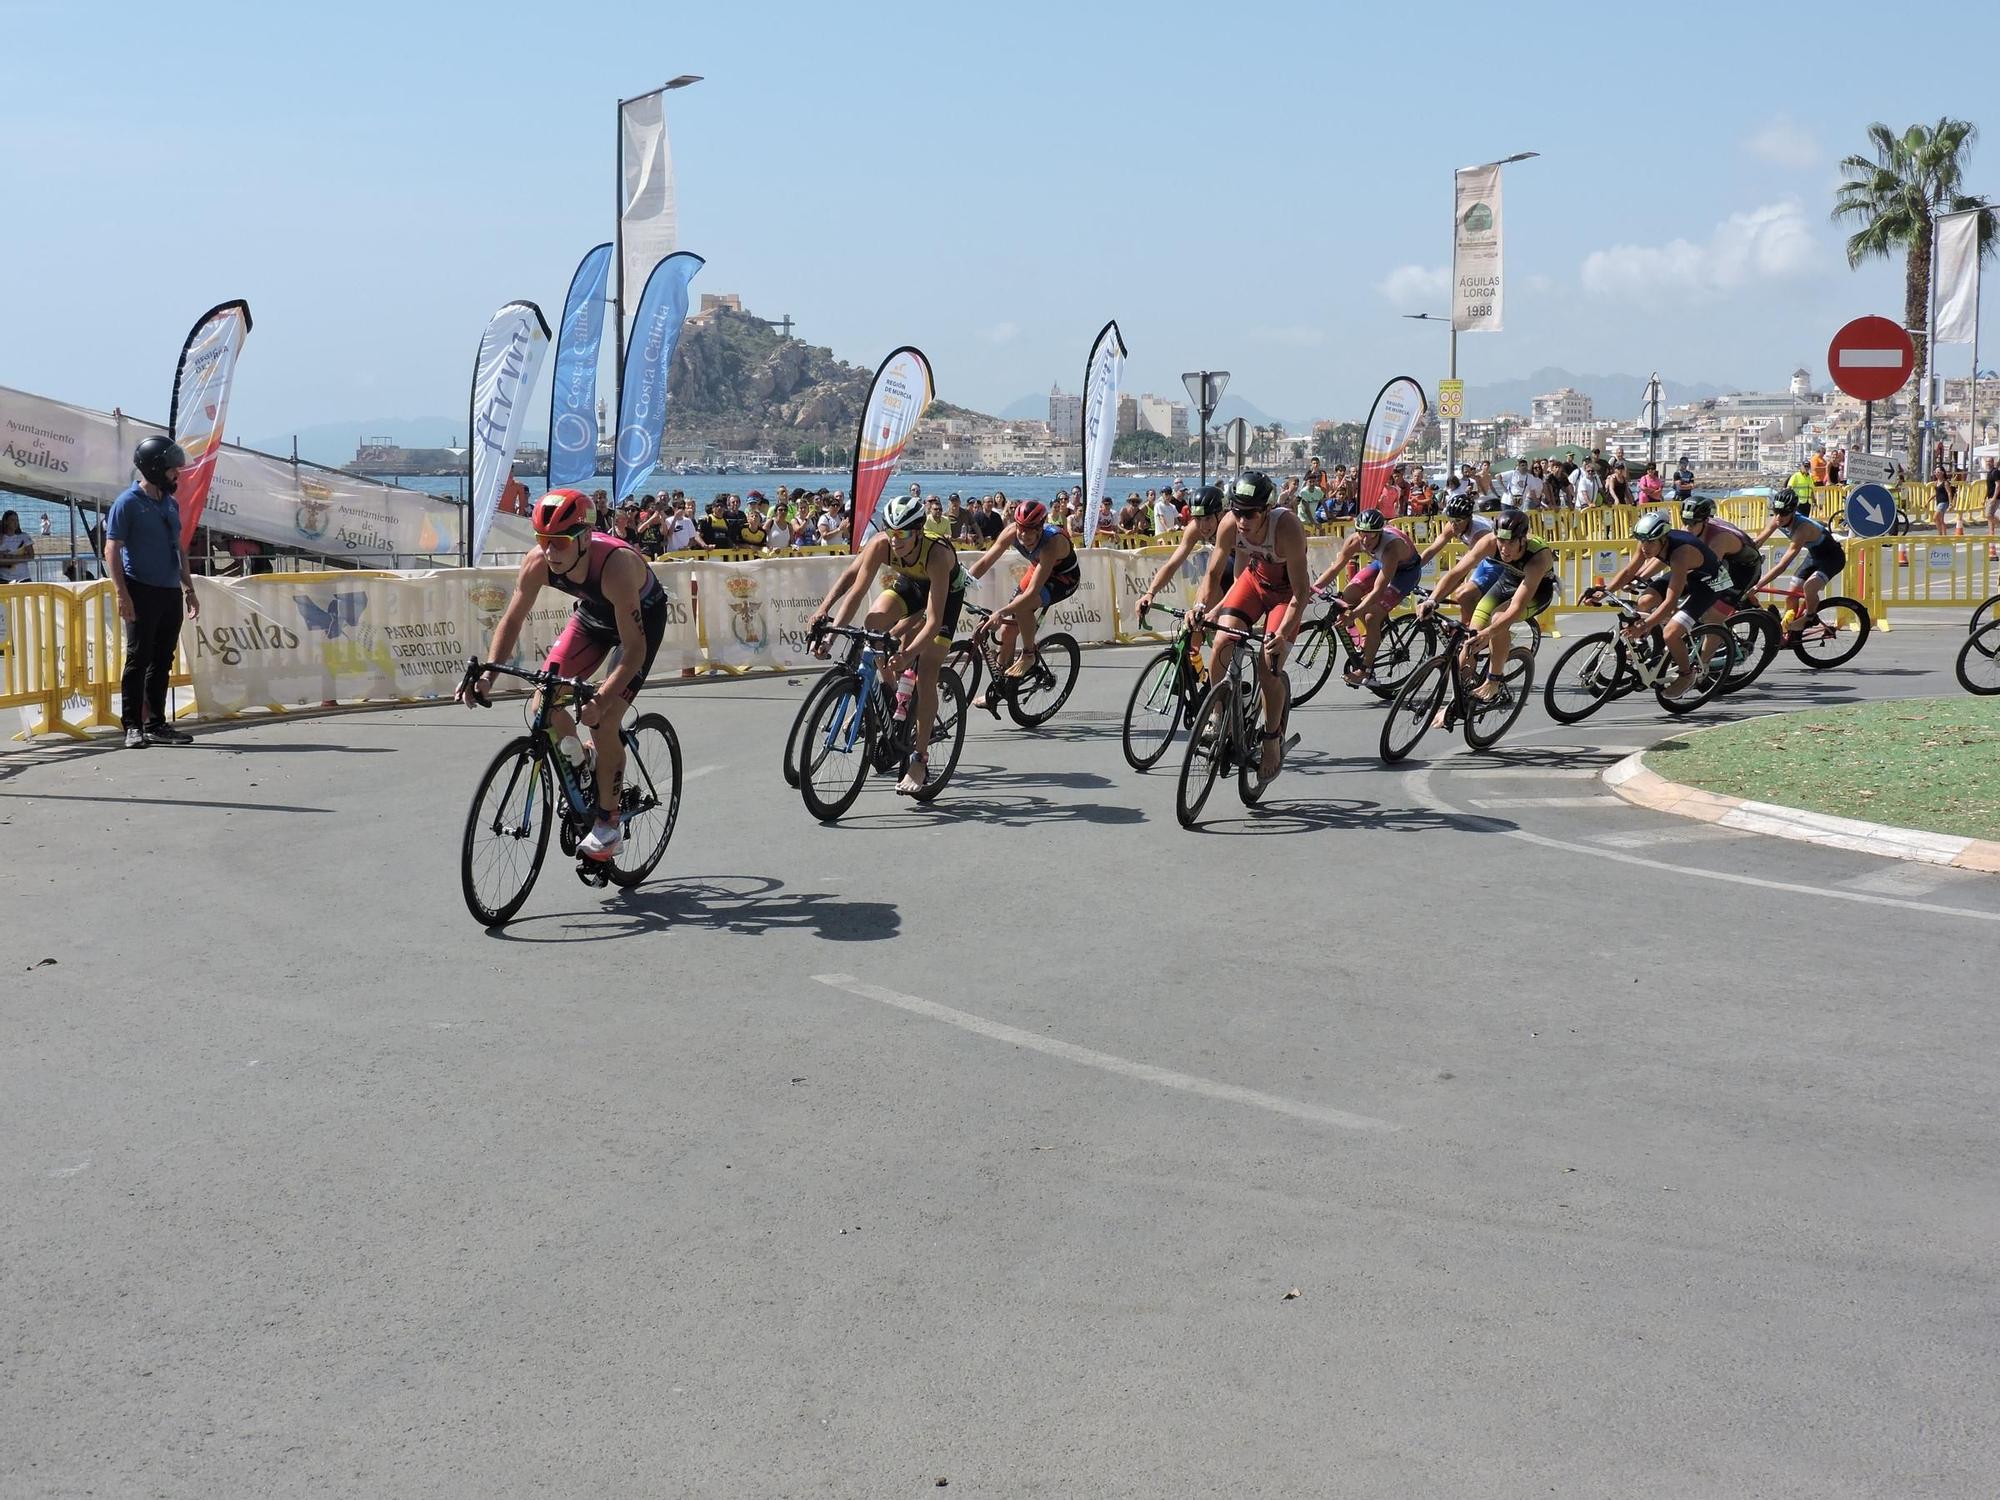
point(984, 1142)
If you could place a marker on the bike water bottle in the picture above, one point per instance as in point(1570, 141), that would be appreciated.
point(906, 689)
point(572, 751)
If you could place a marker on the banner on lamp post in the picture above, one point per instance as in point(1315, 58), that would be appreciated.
point(503, 377)
point(646, 208)
point(1101, 375)
point(1958, 277)
point(573, 383)
point(897, 400)
point(1475, 250)
point(201, 404)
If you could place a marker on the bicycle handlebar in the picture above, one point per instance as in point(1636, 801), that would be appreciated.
point(475, 668)
point(881, 640)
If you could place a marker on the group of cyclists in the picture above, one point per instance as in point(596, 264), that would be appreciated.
point(1257, 581)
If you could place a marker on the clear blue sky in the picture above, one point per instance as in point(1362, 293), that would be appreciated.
point(1258, 187)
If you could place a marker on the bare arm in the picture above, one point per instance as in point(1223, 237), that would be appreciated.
point(1461, 570)
point(982, 564)
point(1183, 550)
point(1210, 592)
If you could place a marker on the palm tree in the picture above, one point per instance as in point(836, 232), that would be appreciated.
point(1896, 197)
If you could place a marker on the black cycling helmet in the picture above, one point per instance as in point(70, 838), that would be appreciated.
point(1783, 503)
point(154, 456)
point(1511, 525)
point(1697, 510)
point(1368, 520)
point(1252, 492)
point(1459, 507)
point(1209, 502)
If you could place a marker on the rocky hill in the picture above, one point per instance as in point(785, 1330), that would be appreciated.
point(737, 383)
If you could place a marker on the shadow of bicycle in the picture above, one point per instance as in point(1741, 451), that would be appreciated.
point(985, 777)
point(742, 905)
point(1019, 810)
point(1349, 815)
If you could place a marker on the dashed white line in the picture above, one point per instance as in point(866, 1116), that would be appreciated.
point(1186, 1082)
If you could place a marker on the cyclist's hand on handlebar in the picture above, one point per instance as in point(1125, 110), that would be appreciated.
point(476, 691)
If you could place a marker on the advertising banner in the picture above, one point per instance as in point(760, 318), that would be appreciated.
point(573, 385)
point(1394, 419)
point(649, 361)
point(754, 614)
point(503, 377)
point(897, 400)
point(1101, 375)
point(1475, 250)
point(1086, 614)
point(646, 208)
point(1133, 569)
point(1958, 277)
point(201, 403)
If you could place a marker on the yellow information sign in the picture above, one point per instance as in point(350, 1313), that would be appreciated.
point(1451, 399)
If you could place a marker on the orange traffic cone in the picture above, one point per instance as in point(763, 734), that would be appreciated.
point(1902, 554)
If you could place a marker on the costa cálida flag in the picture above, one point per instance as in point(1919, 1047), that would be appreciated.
point(896, 403)
point(503, 377)
point(1101, 374)
point(1392, 421)
point(573, 385)
point(201, 403)
point(649, 361)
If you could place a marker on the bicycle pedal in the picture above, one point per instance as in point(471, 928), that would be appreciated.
point(593, 872)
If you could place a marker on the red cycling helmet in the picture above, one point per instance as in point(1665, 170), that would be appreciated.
point(1030, 515)
point(560, 512)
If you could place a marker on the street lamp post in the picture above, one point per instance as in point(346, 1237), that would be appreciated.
point(1451, 435)
point(1205, 388)
point(1450, 423)
point(618, 220)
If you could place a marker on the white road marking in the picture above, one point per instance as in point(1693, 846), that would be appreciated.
point(1521, 773)
point(82, 1166)
point(1694, 833)
point(1599, 800)
point(1907, 879)
point(700, 771)
point(1186, 1082)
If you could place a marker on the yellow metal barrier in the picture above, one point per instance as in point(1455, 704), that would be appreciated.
point(1914, 572)
point(33, 619)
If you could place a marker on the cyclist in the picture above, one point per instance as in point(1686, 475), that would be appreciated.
point(1675, 602)
point(1521, 585)
point(1824, 556)
point(1394, 568)
point(1461, 525)
point(619, 603)
point(1204, 521)
point(1741, 558)
point(919, 608)
point(1271, 588)
point(1053, 575)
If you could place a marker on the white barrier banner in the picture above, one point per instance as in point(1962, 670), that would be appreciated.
point(1086, 614)
point(1133, 570)
point(754, 614)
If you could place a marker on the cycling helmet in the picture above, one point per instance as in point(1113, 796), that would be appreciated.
point(903, 513)
point(1030, 515)
point(560, 512)
point(1368, 520)
point(1511, 525)
point(1209, 502)
point(1697, 510)
point(1651, 527)
point(154, 456)
point(1252, 492)
point(1783, 502)
point(1459, 507)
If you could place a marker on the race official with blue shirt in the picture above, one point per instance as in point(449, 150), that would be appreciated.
point(144, 560)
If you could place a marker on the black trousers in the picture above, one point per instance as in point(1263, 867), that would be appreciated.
point(150, 639)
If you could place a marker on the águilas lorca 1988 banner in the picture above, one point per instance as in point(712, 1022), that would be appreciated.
point(896, 402)
point(649, 361)
point(573, 386)
point(503, 377)
point(1475, 250)
point(201, 403)
point(1101, 374)
point(1393, 420)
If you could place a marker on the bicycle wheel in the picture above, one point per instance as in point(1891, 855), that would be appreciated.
point(1406, 644)
point(1250, 778)
point(1534, 633)
point(1416, 707)
point(506, 833)
point(1208, 748)
point(1755, 632)
point(947, 729)
point(835, 754)
point(1584, 678)
point(649, 798)
point(1834, 634)
point(1486, 722)
point(1046, 686)
point(828, 682)
point(1311, 661)
point(1988, 611)
point(1153, 712)
point(1711, 658)
point(964, 658)
point(1979, 661)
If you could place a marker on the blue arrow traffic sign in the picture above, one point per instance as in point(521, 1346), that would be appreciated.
point(1871, 510)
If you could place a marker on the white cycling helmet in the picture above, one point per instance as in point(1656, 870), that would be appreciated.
point(902, 513)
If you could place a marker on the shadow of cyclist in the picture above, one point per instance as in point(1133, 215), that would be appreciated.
point(745, 905)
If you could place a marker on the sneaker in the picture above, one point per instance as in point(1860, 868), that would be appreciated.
point(135, 738)
point(604, 842)
point(166, 734)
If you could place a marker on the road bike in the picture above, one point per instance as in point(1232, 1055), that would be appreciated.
point(1422, 704)
point(516, 801)
point(853, 728)
point(1225, 733)
point(1165, 694)
point(1978, 664)
point(823, 685)
point(1986, 612)
point(1606, 665)
point(1407, 642)
point(1032, 693)
point(1828, 637)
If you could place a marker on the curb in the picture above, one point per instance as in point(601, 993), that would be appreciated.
point(1631, 780)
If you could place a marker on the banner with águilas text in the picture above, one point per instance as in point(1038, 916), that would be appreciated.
point(201, 403)
point(1392, 421)
point(897, 401)
point(649, 361)
point(1475, 250)
point(503, 377)
point(573, 383)
point(1101, 374)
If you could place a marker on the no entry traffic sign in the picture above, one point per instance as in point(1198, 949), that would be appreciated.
point(1871, 359)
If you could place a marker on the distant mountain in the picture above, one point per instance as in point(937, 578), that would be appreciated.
point(334, 442)
point(1613, 397)
point(1027, 409)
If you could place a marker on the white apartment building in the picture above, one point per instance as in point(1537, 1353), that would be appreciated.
point(1157, 414)
point(1561, 408)
point(1065, 415)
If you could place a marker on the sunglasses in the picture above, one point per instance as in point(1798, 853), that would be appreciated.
point(575, 536)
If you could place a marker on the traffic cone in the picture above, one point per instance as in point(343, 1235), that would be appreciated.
point(1902, 554)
